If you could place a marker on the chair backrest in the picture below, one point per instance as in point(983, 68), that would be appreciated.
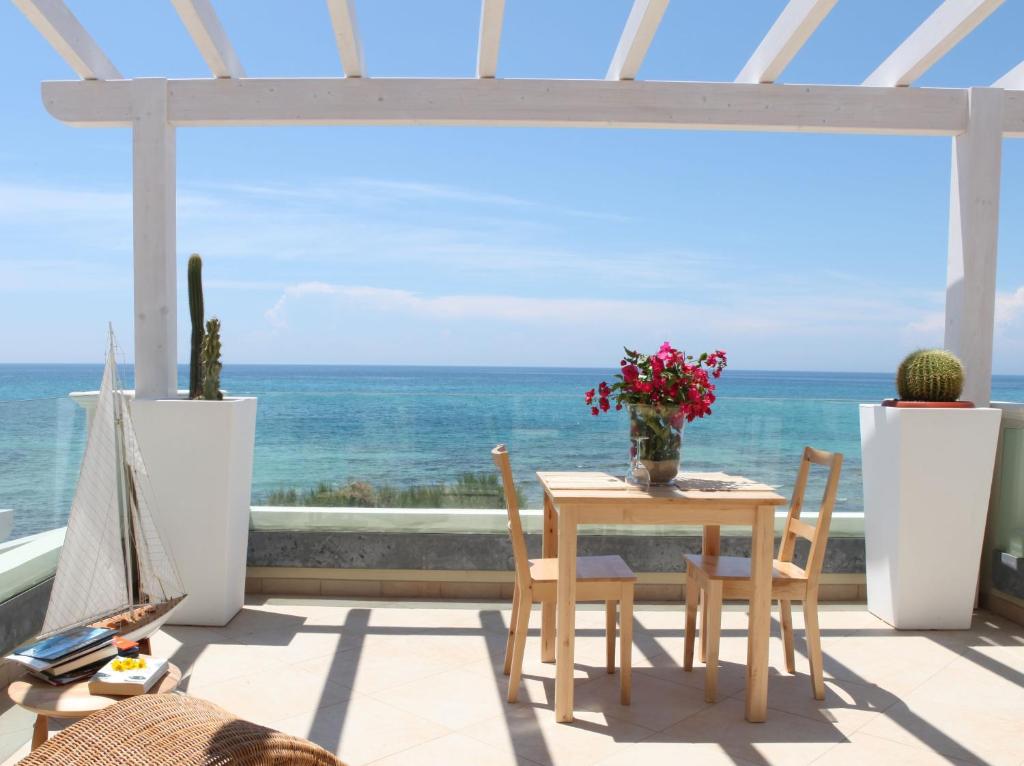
point(515, 525)
point(816, 534)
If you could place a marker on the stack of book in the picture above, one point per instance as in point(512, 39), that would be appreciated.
point(67, 656)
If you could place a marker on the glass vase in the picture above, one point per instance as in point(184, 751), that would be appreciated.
point(656, 441)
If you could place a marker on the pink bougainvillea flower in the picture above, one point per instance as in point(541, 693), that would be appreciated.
point(679, 385)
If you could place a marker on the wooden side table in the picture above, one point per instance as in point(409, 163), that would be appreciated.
point(72, 701)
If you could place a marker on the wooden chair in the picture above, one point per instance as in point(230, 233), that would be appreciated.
point(715, 578)
point(599, 578)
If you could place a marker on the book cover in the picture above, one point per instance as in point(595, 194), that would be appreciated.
point(128, 676)
point(66, 642)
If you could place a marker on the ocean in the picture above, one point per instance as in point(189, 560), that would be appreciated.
point(420, 425)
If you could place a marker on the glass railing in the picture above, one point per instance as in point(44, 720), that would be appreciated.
point(421, 437)
point(41, 443)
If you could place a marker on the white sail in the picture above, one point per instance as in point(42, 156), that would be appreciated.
point(113, 560)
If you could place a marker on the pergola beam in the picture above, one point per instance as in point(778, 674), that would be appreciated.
point(950, 23)
point(204, 27)
point(65, 33)
point(791, 30)
point(528, 103)
point(1012, 80)
point(492, 16)
point(346, 35)
point(643, 21)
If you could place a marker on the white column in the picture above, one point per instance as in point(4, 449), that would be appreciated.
point(153, 196)
point(973, 238)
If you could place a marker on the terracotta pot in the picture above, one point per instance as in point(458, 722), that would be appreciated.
point(927, 405)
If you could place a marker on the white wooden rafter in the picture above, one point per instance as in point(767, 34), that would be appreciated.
point(346, 35)
point(492, 15)
point(59, 26)
point(791, 30)
point(637, 36)
point(1012, 80)
point(204, 27)
point(950, 23)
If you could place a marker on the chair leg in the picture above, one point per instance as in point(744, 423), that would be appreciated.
point(519, 647)
point(511, 630)
point(626, 644)
point(786, 621)
point(703, 601)
point(692, 596)
point(609, 634)
point(713, 618)
point(814, 647)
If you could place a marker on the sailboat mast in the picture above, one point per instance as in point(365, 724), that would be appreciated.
point(124, 495)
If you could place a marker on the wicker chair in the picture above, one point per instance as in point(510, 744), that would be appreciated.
point(174, 729)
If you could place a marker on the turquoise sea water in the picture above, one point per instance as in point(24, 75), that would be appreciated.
point(415, 425)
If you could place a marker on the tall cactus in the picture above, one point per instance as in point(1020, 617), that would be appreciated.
point(195, 310)
point(211, 360)
point(930, 375)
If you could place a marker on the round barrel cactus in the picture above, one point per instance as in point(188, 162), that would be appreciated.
point(930, 375)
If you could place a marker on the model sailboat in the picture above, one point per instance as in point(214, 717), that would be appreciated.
point(114, 570)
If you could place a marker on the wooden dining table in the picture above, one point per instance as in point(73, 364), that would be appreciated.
point(709, 500)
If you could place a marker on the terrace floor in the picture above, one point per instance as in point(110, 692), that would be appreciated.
point(396, 684)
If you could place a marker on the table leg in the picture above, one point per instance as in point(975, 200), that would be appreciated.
point(549, 550)
point(760, 613)
point(566, 628)
point(40, 731)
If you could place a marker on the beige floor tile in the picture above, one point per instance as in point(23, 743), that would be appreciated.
point(205, 664)
point(266, 696)
point(259, 619)
point(673, 754)
point(656, 704)
point(966, 729)
point(783, 739)
point(361, 729)
point(297, 645)
point(377, 664)
point(847, 705)
point(453, 750)
point(863, 749)
point(979, 682)
point(533, 734)
point(454, 699)
point(898, 663)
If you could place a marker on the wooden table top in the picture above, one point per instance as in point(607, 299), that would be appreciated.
point(688, 486)
point(75, 700)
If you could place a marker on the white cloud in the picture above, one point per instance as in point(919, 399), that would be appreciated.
point(1009, 306)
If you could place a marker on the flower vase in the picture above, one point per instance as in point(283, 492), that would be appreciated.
point(657, 440)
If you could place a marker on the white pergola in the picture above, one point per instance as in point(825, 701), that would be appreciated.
point(885, 103)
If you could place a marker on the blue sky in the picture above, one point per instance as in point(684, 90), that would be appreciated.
point(472, 246)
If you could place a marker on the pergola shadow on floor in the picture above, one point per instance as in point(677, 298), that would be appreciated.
point(383, 679)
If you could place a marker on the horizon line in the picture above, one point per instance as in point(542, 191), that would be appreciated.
point(472, 366)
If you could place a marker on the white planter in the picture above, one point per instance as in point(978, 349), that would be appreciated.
point(199, 457)
point(927, 479)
